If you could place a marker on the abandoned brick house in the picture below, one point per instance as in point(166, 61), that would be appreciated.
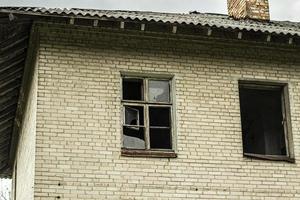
point(142, 105)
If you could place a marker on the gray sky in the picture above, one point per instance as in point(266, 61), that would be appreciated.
point(280, 9)
point(5, 188)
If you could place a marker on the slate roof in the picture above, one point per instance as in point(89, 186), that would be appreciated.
point(194, 18)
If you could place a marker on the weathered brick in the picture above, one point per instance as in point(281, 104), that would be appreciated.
point(78, 138)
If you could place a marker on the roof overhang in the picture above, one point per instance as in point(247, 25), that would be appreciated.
point(194, 23)
point(13, 51)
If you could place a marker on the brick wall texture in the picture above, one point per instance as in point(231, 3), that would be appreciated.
point(78, 137)
point(253, 9)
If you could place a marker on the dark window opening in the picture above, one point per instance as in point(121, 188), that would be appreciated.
point(133, 89)
point(263, 120)
point(160, 138)
point(159, 116)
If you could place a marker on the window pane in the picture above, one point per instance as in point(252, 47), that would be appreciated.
point(159, 116)
point(133, 137)
point(132, 89)
point(160, 138)
point(134, 115)
point(262, 127)
point(159, 91)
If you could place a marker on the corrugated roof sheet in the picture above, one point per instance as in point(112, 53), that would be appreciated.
point(203, 19)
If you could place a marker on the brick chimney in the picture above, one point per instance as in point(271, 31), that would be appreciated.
point(249, 9)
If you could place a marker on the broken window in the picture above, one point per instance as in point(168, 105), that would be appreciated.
point(133, 128)
point(133, 89)
point(265, 121)
point(147, 119)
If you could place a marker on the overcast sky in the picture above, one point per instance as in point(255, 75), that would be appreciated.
point(280, 9)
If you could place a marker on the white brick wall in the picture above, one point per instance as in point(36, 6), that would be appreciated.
point(78, 119)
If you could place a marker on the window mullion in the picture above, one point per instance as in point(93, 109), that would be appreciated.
point(170, 92)
point(146, 120)
point(147, 130)
point(146, 90)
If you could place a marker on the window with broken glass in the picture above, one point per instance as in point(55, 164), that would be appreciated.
point(265, 118)
point(147, 115)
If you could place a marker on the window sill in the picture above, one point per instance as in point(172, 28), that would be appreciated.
point(270, 157)
point(148, 153)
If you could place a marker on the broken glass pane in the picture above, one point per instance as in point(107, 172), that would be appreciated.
point(132, 89)
point(133, 138)
point(160, 138)
point(134, 115)
point(159, 116)
point(159, 91)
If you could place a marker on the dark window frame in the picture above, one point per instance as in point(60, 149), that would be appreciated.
point(269, 85)
point(147, 104)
